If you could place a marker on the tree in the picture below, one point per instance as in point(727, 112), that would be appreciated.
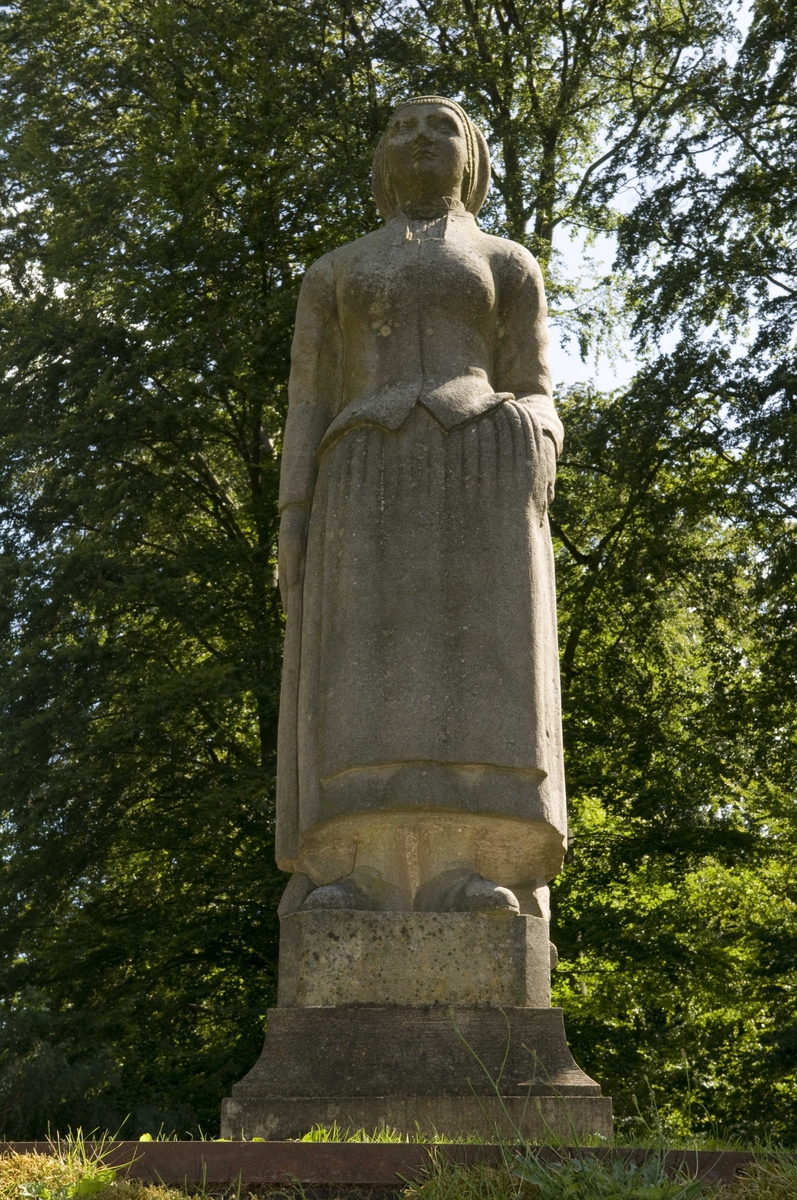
point(169, 170)
point(678, 917)
point(572, 96)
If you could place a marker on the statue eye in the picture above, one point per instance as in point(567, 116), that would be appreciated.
point(444, 123)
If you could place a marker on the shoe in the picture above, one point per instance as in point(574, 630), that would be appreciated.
point(480, 896)
point(345, 894)
point(462, 890)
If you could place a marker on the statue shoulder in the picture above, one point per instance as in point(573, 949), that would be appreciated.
point(511, 261)
point(516, 272)
point(319, 277)
point(324, 269)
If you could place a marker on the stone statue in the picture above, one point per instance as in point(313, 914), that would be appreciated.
point(420, 795)
point(420, 747)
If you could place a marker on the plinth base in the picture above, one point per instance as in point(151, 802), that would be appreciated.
point(464, 1070)
point(536, 1119)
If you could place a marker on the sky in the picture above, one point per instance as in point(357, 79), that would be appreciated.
point(566, 364)
point(567, 367)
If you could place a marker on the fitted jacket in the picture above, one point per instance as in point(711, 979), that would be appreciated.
point(435, 313)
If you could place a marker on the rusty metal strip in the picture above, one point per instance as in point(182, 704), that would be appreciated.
point(377, 1164)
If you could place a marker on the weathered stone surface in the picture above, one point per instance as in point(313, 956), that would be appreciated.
point(399, 1050)
point(332, 958)
point(541, 1119)
point(421, 656)
point(420, 766)
point(441, 1064)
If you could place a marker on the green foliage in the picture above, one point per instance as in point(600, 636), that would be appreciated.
point(676, 515)
point(87, 1185)
point(72, 1173)
point(68, 1174)
point(162, 189)
point(590, 1179)
point(334, 1133)
point(533, 1178)
point(169, 171)
point(771, 1177)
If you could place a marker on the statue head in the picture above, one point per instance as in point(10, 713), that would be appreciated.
point(430, 150)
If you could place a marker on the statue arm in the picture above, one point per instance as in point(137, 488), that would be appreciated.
point(316, 383)
point(314, 396)
point(522, 358)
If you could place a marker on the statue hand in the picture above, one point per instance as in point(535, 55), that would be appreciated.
point(291, 551)
point(549, 459)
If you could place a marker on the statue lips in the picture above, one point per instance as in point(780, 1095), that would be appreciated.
point(425, 156)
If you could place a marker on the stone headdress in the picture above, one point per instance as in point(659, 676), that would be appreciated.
point(476, 183)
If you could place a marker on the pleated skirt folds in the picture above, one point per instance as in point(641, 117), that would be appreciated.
point(422, 670)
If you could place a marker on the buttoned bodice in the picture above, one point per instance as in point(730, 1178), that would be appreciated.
point(418, 318)
point(435, 313)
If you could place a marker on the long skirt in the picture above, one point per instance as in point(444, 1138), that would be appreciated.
point(421, 668)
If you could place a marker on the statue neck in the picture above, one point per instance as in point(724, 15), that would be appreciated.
point(428, 208)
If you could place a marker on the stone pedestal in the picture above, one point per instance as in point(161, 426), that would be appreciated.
point(403, 1066)
point(329, 958)
point(436, 1021)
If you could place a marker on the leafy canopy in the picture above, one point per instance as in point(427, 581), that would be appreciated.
point(169, 172)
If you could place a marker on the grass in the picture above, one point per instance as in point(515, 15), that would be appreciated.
point(333, 1133)
point(643, 1137)
point(75, 1172)
point(585, 1178)
point(575, 1179)
point(771, 1178)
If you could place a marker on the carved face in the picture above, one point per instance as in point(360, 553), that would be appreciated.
point(426, 151)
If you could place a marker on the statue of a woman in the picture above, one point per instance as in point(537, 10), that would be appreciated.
point(420, 749)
